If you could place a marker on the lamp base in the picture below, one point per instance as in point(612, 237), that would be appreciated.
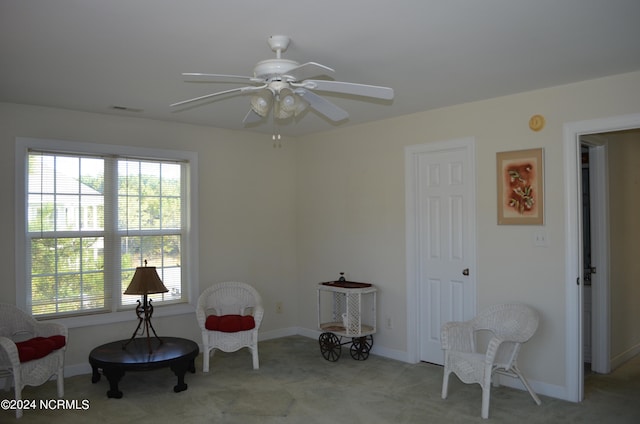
point(144, 313)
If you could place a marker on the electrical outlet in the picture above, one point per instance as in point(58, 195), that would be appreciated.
point(540, 238)
point(278, 307)
point(387, 322)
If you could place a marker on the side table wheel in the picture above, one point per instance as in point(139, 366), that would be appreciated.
point(360, 347)
point(330, 346)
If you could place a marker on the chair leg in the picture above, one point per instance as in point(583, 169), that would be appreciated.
point(486, 395)
point(254, 354)
point(61, 382)
point(526, 384)
point(18, 392)
point(206, 353)
point(445, 383)
point(486, 390)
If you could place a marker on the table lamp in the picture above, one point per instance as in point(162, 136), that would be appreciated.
point(145, 281)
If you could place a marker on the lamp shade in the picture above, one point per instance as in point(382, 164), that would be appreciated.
point(146, 281)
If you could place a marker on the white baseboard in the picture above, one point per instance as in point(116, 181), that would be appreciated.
point(77, 369)
point(277, 334)
point(624, 356)
point(544, 389)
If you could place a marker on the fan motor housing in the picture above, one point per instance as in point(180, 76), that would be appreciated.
point(271, 68)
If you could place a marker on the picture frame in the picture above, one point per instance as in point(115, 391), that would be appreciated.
point(520, 187)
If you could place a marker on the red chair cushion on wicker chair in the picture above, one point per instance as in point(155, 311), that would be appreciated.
point(39, 347)
point(230, 323)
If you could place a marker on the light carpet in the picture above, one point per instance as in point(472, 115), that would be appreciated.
point(295, 384)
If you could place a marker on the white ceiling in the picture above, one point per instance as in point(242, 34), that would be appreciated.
point(94, 54)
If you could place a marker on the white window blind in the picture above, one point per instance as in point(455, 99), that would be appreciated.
point(92, 219)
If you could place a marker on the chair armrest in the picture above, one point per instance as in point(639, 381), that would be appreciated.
point(8, 353)
point(46, 329)
point(492, 349)
point(457, 336)
point(201, 316)
point(258, 313)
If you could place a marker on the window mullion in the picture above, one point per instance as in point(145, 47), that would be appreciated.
point(111, 237)
point(185, 227)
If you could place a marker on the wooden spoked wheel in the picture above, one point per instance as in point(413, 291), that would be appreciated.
point(360, 347)
point(330, 346)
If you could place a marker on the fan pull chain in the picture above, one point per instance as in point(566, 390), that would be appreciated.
point(276, 135)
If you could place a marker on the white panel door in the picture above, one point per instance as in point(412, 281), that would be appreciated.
point(444, 217)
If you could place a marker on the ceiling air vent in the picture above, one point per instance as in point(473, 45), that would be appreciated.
point(125, 108)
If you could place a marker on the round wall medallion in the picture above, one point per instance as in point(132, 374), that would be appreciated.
point(536, 123)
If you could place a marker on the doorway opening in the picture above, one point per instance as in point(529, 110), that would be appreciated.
point(574, 135)
point(589, 270)
point(595, 253)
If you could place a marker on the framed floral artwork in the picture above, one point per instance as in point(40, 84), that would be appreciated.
point(520, 187)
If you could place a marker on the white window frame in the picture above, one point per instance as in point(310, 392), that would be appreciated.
point(190, 245)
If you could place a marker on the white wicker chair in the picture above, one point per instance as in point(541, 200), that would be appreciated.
point(15, 326)
point(229, 298)
point(510, 325)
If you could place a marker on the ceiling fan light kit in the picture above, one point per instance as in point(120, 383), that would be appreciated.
point(283, 87)
point(261, 103)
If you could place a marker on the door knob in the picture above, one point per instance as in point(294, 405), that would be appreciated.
point(465, 271)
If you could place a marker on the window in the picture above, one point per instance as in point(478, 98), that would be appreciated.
point(92, 214)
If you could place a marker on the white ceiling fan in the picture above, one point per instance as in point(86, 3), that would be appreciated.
point(283, 87)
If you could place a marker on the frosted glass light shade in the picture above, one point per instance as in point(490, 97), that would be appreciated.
point(290, 104)
point(261, 102)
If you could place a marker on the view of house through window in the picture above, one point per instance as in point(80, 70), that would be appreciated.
point(91, 221)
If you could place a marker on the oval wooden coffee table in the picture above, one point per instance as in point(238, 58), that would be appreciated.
point(114, 360)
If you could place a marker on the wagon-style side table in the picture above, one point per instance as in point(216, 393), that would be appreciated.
point(114, 360)
point(346, 309)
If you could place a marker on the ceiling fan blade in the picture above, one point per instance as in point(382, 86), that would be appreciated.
point(322, 105)
point(375, 91)
point(239, 90)
point(251, 117)
point(200, 77)
point(308, 70)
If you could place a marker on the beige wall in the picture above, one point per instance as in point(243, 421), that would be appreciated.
point(624, 204)
point(351, 214)
point(286, 219)
point(246, 198)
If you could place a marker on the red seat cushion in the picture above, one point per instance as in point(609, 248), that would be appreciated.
point(39, 347)
point(230, 323)
point(58, 341)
